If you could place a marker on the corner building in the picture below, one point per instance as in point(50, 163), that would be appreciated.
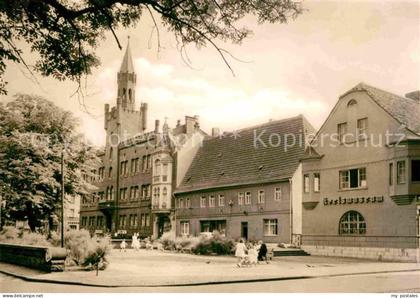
point(139, 168)
point(361, 178)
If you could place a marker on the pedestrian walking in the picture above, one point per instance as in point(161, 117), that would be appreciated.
point(240, 252)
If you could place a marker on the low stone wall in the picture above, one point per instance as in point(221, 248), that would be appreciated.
point(373, 253)
point(37, 257)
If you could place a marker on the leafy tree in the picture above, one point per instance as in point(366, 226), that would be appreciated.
point(33, 134)
point(65, 33)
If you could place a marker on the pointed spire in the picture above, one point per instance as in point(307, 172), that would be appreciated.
point(127, 63)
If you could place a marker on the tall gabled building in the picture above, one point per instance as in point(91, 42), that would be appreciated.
point(139, 168)
point(361, 194)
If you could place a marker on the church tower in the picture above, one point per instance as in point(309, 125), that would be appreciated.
point(127, 82)
point(123, 121)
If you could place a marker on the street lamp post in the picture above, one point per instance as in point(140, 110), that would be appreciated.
point(62, 198)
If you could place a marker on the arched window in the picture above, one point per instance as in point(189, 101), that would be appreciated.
point(352, 102)
point(157, 167)
point(124, 92)
point(164, 192)
point(107, 194)
point(129, 95)
point(352, 222)
point(111, 193)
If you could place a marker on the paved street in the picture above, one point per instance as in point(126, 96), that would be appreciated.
point(377, 283)
point(157, 268)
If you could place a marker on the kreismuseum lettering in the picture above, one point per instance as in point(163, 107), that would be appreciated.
point(349, 201)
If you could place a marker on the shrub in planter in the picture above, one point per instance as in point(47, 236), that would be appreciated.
point(77, 243)
point(96, 255)
point(192, 243)
point(216, 244)
point(85, 250)
point(168, 241)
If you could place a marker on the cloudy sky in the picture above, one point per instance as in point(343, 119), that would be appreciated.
point(296, 68)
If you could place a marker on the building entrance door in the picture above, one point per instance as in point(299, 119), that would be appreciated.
point(164, 225)
point(244, 230)
point(108, 223)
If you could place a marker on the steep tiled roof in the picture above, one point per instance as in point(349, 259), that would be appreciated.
point(405, 110)
point(233, 159)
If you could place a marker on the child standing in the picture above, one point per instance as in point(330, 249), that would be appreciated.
point(123, 245)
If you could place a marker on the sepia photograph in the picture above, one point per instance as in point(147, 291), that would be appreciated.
point(263, 147)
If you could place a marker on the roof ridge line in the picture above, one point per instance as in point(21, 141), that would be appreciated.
point(261, 125)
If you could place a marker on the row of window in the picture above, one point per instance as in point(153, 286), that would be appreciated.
point(133, 193)
point(92, 221)
point(352, 222)
point(125, 221)
point(156, 193)
point(131, 220)
point(244, 198)
point(357, 178)
point(124, 169)
point(402, 172)
point(361, 130)
point(271, 227)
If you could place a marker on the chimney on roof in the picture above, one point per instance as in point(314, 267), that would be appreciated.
point(157, 123)
point(415, 95)
point(143, 114)
point(191, 124)
point(215, 132)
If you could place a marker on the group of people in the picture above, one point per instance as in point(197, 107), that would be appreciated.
point(251, 253)
point(135, 243)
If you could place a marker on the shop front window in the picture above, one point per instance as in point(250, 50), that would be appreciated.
point(352, 223)
point(209, 226)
